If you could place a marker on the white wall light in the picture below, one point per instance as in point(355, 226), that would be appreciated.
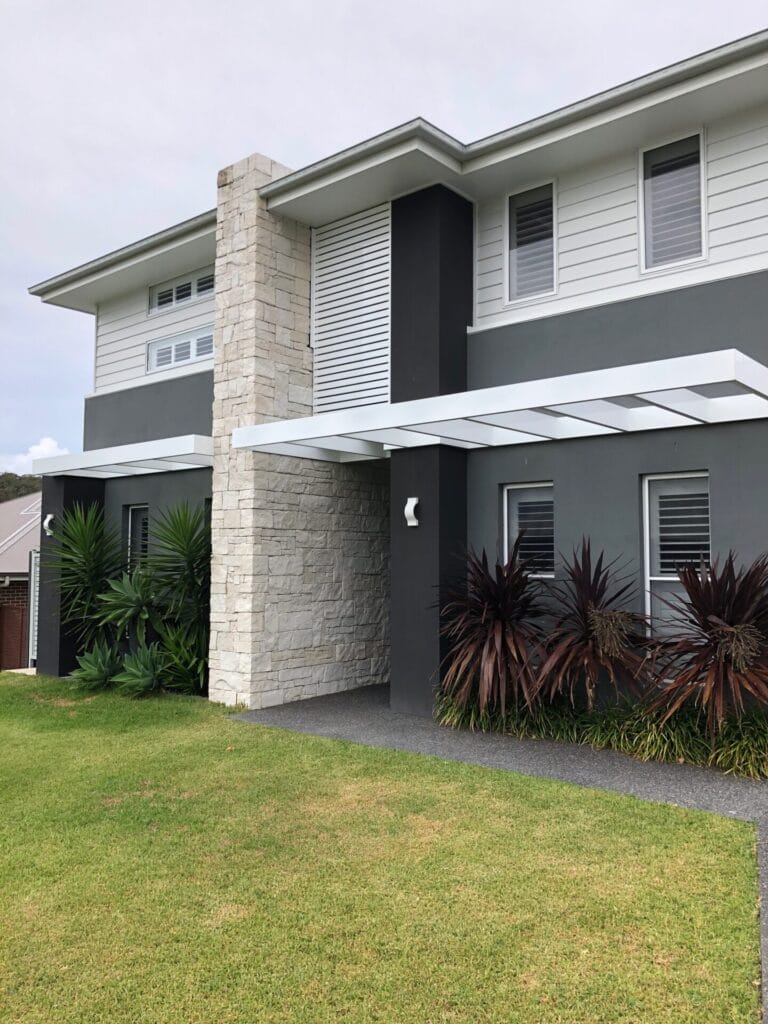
point(410, 512)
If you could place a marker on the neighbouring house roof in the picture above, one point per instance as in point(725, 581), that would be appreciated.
point(164, 255)
point(414, 155)
point(19, 533)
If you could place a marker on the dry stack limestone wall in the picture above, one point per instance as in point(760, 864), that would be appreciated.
point(300, 573)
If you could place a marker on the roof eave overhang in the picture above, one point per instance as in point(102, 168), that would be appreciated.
point(177, 249)
point(418, 154)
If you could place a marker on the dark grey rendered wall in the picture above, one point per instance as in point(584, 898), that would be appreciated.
point(169, 408)
point(431, 307)
point(166, 409)
point(597, 481)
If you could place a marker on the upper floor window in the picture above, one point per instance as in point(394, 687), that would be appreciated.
point(672, 212)
point(529, 509)
point(184, 348)
point(532, 242)
point(181, 290)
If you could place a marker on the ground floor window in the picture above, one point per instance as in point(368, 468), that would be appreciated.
point(676, 532)
point(138, 534)
point(530, 509)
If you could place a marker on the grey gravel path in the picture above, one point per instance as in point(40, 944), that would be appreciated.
point(363, 716)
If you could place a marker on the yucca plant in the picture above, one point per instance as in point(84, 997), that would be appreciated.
point(180, 562)
point(491, 624)
point(131, 606)
point(594, 635)
point(98, 667)
point(86, 554)
point(716, 654)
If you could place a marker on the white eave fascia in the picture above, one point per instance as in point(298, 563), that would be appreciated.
point(711, 67)
point(162, 241)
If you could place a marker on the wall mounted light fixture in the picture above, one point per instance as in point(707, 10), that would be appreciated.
point(48, 525)
point(410, 512)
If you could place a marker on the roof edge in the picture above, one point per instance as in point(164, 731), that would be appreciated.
point(117, 256)
point(421, 129)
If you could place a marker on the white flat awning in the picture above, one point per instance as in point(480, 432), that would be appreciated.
point(711, 387)
point(192, 451)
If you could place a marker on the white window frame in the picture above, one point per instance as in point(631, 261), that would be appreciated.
point(191, 277)
point(700, 474)
point(505, 516)
point(192, 337)
point(668, 141)
point(139, 507)
point(512, 303)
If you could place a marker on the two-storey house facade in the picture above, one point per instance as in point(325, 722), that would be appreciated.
point(420, 346)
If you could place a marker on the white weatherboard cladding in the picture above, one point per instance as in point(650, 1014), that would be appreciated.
point(351, 271)
point(124, 327)
point(598, 231)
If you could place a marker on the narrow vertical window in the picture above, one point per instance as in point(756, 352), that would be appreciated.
point(677, 533)
point(138, 535)
point(531, 243)
point(530, 511)
point(672, 202)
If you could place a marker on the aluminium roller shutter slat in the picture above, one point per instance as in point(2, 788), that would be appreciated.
point(351, 311)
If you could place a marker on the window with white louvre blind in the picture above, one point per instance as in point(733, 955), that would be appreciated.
point(532, 243)
point(351, 311)
point(171, 294)
point(677, 533)
point(672, 215)
point(529, 509)
point(183, 348)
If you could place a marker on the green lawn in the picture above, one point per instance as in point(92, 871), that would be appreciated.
point(160, 862)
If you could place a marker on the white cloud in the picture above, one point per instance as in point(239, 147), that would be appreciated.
point(22, 463)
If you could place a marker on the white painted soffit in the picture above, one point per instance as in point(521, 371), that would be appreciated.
point(190, 245)
point(711, 387)
point(679, 98)
point(192, 451)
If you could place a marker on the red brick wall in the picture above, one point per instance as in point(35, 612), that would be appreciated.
point(13, 625)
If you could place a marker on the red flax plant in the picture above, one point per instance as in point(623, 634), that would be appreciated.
point(491, 626)
point(717, 655)
point(593, 636)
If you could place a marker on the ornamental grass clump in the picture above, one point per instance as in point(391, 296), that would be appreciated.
point(716, 654)
point(492, 626)
point(593, 636)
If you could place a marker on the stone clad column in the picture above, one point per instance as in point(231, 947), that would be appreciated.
point(300, 571)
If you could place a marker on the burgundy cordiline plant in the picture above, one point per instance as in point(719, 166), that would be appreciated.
point(716, 653)
point(492, 625)
point(594, 636)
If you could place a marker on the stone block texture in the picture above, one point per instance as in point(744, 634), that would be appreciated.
point(300, 572)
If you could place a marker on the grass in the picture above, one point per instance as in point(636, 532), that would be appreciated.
point(160, 862)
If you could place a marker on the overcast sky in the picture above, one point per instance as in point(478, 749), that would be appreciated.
point(116, 116)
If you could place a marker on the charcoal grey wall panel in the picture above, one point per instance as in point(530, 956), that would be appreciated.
point(724, 314)
point(597, 486)
point(157, 490)
point(168, 408)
